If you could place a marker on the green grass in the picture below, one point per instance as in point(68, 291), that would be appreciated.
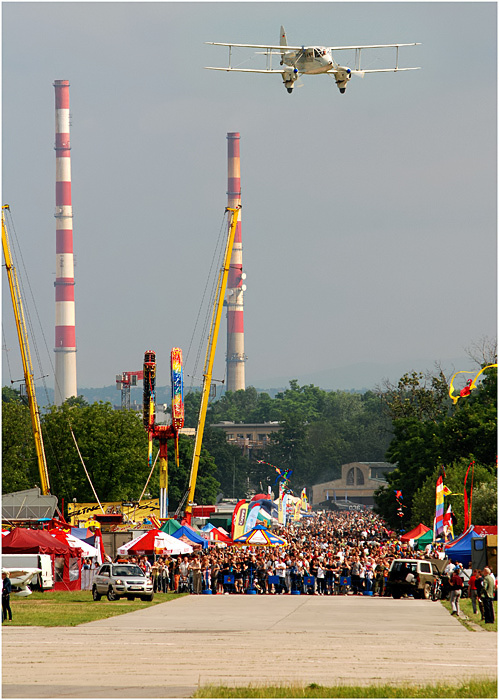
point(481, 688)
point(467, 609)
point(71, 608)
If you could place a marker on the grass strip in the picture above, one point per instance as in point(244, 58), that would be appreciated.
point(466, 608)
point(71, 608)
point(478, 688)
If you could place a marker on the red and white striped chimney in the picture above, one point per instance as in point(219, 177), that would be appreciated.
point(65, 336)
point(235, 286)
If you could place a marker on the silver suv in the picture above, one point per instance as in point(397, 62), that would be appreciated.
point(122, 581)
point(413, 576)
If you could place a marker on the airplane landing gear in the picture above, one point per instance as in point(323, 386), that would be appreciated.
point(290, 90)
point(343, 90)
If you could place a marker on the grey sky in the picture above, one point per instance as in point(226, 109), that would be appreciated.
point(369, 219)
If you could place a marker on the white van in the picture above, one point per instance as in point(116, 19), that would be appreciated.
point(45, 579)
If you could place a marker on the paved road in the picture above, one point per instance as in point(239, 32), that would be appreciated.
point(169, 649)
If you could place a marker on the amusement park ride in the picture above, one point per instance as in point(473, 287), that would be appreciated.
point(165, 432)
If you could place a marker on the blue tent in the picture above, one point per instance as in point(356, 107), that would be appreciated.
point(191, 535)
point(460, 548)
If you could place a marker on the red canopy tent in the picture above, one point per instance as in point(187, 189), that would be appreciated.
point(485, 529)
point(218, 536)
point(66, 561)
point(415, 534)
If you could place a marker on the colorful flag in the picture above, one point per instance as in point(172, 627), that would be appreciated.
point(439, 508)
point(449, 518)
point(281, 516)
point(298, 505)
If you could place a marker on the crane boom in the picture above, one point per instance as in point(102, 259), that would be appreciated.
point(209, 359)
point(26, 358)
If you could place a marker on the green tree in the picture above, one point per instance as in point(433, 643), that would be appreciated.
point(192, 402)
point(19, 461)
point(232, 467)
point(484, 484)
point(207, 486)
point(417, 395)
point(113, 446)
point(441, 434)
point(10, 394)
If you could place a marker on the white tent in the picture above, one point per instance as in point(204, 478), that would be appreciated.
point(86, 549)
point(155, 541)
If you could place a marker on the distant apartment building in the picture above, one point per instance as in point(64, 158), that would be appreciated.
point(250, 437)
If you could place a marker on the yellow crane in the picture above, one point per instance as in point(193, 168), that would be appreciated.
point(209, 359)
point(26, 357)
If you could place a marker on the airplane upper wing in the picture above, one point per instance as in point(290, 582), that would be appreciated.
point(257, 46)
point(300, 48)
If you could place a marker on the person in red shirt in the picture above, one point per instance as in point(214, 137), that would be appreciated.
point(472, 590)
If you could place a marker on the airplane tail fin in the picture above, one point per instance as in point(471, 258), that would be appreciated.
point(282, 38)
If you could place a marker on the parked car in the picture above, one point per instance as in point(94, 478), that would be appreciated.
point(413, 577)
point(122, 581)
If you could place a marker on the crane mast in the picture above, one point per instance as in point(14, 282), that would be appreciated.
point(209, 360)
point(26, 358)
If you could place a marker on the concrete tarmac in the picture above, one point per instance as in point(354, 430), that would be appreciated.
point(169, 650)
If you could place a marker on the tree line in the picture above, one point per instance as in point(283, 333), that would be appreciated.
point(412, 424)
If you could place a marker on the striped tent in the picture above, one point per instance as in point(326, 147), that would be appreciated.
point(260, 535)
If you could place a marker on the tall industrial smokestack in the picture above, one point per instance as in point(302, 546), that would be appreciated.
point(65, 337)
point(235, 287)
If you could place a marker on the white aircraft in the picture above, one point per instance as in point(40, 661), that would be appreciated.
point(20, 578)
point(310, 60)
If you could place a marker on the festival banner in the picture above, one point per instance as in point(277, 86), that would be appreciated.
point(239, 519)
point(82, 514)
point(251, 518)
point(298, 505)
point(280, 507)
point(304, 500)
point(438, 526)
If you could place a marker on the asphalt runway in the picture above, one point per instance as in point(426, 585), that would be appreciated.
point(168, 650)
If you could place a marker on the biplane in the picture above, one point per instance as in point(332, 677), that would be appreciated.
point(310, 60)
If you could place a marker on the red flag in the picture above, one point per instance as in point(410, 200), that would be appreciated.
point(466, 511)
point(470, 521)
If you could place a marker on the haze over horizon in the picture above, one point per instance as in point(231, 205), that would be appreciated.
point(369, 219)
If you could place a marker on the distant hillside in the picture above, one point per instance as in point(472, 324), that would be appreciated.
point(357, 378)
point(365, 376)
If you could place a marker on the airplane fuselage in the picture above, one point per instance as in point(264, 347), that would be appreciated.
point(310, 60)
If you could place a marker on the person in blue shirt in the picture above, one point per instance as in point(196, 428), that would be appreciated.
point(6, 591)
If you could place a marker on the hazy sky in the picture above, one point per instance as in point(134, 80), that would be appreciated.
point(369, 219)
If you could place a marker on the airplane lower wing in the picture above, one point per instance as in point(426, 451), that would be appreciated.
point(377, 70)
point(249, 70)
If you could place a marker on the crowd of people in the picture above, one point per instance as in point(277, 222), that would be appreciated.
point(331, 553)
